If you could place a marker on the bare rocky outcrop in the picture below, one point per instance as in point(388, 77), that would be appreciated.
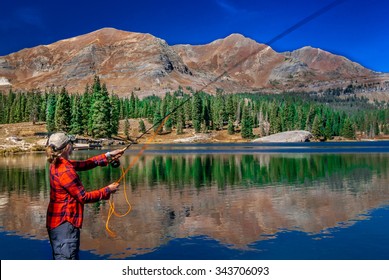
point(197, 137)
point(327, 63)
point(287, 136)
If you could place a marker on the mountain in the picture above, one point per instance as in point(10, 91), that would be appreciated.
point(124, 60)
point(248, 64)
point(128, 61)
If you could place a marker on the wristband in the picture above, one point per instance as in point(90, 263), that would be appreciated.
point(109, 156)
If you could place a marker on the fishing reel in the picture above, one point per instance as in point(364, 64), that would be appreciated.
point(115, 163)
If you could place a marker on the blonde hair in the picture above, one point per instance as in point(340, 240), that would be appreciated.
point(52, 155)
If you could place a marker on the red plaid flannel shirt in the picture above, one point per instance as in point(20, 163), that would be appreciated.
point(67, 194)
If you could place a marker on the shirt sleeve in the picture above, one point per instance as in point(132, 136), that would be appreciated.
point(83, 165)
point(72, 184)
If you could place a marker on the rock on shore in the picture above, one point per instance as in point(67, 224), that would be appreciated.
point(198, 137)
point(287, 136)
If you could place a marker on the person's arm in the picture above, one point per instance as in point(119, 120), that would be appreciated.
point(83, 165)
point(100, 160)
point(72, 184)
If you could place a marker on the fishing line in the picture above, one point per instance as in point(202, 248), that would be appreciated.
point(112, 210)
point(162, 121)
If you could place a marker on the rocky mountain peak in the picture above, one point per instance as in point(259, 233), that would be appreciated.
point(130, 61)
point(324, 61)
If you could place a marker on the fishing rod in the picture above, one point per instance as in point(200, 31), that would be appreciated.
point(116, 163)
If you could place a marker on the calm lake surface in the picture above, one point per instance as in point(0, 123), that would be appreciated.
point(215, 201)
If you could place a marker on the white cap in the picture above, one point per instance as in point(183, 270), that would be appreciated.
point(58, 141)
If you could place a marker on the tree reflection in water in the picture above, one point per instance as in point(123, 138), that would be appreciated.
point(237, 199)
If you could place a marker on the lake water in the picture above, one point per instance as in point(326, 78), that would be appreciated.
point(215, 201)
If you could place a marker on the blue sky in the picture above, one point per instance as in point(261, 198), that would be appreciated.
point(357, 29)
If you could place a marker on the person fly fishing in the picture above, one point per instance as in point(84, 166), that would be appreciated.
point(68, 195)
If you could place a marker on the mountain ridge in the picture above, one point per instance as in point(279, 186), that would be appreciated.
point(131, 61)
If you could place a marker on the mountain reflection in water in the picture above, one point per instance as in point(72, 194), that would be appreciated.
point(235, 198)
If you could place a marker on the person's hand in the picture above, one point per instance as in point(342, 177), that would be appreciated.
point(113, 187)
point(116, 154)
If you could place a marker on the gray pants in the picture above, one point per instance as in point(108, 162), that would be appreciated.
point(65, 242)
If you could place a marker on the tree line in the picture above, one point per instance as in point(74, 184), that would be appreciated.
point(96, 112)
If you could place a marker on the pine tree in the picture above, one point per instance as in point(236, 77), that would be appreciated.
point(100, 111)
point(165, 105)
point(255, 117)
point(26, 114)
point(187, 109)
point(125, 108)
point(151, 106)
point(247, 124)
point(275, 119)
point(206, 114)
point(115, 114)
point(288, 116)
point(127, 128)
point(76, 124)
point(36, 107)
point(50, 112)
point(142, 127)
point(376, 128)
point(180, 120)
point(230, 108)
point(94, 92)
point(196, 112)
point(317, 127)
point(43, 107)
point(219, 111)
point(173, 104)
point(137, 107)
point(14, 113)
point(157, 119)
point(132, 106)
point(328, 128)
point(348, 130)
point(2, 107)
point(299, 118)
point(10, 100)
point(20, 108)
point(62, 115)
point(336, 124)
point(30, 111)
point(231, 129)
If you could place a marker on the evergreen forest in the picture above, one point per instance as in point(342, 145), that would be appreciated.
point(96, 112)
